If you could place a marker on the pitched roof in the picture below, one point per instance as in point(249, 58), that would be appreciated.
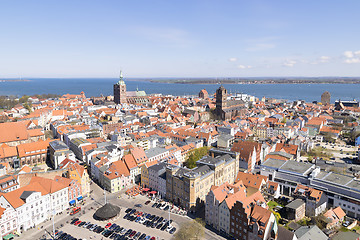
point(130, 161)
point(33, 148)
point(245, 148)
point(251, 180)
point(49, 185)
point(139, 155)
point(14, 199)
point(339, 212)
point(116, 170)
point(13, 131)
point(288, 148)
point(7, 151)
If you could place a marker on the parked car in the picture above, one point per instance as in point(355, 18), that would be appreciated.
point(74, 220)
point(93, 227)
point(172, 230)
point(108, 225)
point(132, 234)
point(137, 235)
point(81, 224)
point(147, 202)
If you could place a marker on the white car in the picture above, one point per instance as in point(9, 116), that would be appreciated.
point(142, 220)
point(93, 227)
point(169, 228)
point(86, 224)
point(163, 207)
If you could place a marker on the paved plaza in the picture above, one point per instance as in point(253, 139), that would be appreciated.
point(62, 221)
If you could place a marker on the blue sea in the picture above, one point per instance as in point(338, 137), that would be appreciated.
point(96, 87)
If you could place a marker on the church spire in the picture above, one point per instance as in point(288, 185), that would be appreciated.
point(121, 80)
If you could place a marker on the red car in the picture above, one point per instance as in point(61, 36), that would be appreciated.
point(153, 238)
point(132, 234)
point(139, 214)
point(77, 223)
point(108, 225)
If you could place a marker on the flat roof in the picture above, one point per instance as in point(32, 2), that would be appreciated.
point(273, 163)
point(298, 167)
point(295, 204)
point(58, 145)
point(336, 178)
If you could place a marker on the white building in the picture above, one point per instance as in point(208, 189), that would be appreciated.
point(31, 204)
point(8, 217)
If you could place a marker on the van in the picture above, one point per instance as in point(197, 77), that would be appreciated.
point(75, 210)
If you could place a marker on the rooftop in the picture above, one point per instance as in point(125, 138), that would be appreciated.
point(295, 204)
point(58, 145)
point(297, 167)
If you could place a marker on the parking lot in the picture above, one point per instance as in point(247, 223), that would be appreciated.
point(62, 223)
point(160, 216)
point(341, 153)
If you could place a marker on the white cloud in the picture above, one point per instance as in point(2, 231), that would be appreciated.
point(348, 54)
point(289, 63)
point(352, 60)
point(233, 59)
point(244, 67)
point(324, 59)
point(352, 57)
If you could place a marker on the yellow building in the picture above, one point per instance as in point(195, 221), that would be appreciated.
point(79, 173)
point(145, 173)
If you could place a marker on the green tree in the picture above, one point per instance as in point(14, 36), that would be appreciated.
point(191, 230)
point(196, 155)
point(27, 106)
point(24, 99)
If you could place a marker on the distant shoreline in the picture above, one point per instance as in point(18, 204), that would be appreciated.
point(260, 81)
point(14, 80)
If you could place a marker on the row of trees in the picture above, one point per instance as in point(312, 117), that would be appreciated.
point(10, 102)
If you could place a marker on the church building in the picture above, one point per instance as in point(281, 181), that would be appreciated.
point(226, 109)
point(122, 96)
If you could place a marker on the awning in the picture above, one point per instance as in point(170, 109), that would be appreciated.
point(9, 236)
point(72, 202)
point(145, 189)
point(152, 192)
point(79, 198)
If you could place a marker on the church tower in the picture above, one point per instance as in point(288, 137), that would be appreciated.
point(221, 96)
point(120, 91)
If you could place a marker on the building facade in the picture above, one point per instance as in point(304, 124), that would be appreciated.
point(188, 188)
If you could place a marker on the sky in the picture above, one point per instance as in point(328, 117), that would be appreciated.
point(179, 38)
